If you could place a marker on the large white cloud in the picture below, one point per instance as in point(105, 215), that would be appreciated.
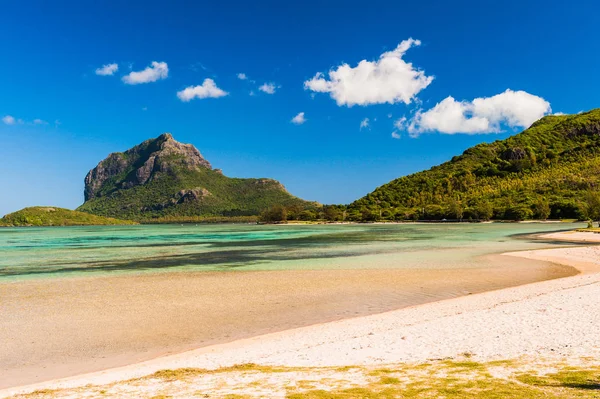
point(387, 80)
point(208, 89)
point(156, 71)
point(107, 70)
point(482, 115)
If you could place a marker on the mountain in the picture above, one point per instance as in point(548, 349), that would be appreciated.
point(551, 169)
point(164, 180)
point(53, 216)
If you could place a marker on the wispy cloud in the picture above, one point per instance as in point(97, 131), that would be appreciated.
point(395, 135)
point(298, 119)
point(208, 89)
point(269, 88)
point(242, 76)
point(364, 124)
point(9, 120)
point(156, 71)
point(107, 70)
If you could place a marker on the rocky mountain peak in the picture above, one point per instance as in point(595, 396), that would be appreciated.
point(142, 163)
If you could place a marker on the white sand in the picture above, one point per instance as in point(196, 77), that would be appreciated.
point(557, 319)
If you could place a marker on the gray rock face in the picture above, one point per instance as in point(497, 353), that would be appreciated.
point(141, 163)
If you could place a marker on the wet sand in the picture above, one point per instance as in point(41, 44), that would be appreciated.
point(54, 328)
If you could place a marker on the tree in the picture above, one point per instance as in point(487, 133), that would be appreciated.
point(455, 209)
point(307, 215)
point(518, 212)
point(541, 209)
point(484, 210)
point(276, 213)
point(592, 205)
point(332, 213)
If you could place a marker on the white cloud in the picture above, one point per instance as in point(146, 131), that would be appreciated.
point(242, 76)
point(559, 113)
point(364, 123)
point(389, 115)
point(39, 122)
point(268, 88)
point(387, 80)
point(298, 119)
point(208, 89)
point(9, 120)
point(107, 70)
point(482, 115)
point(144, 108)
point(400, 124)
point(156, 71)
point(252, 93)
point(395, 135)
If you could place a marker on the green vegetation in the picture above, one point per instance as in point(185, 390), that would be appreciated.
point(53, 216)
point(550, 170)
point(163, 181)
point(299, 213)
point(160, 201)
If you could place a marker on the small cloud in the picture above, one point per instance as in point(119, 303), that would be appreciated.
point(9, 120)
point(389, 115)
point(57, 123)
point(395, 135)
point(268, 88)
point(39, 122)
point(298, 119)
point(156, 71)
point(558, 113)
point(400, 124)
point(144, 108)
point(197, 66)
point(364, 123)
point(208, 89)
point(242, 76)
point(252, 93)
point(107, 70)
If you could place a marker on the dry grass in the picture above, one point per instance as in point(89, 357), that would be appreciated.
point(450, 379)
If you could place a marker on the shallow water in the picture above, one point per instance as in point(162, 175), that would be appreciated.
point(64, 251)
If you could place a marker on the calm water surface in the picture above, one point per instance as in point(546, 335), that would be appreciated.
point(65, 251)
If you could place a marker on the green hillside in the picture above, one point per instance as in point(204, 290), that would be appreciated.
point(164, 180)
point(550, 170)
point(53, 216)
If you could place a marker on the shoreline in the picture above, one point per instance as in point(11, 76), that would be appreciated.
point(370, 336)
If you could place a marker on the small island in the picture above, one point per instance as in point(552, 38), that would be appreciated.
point(53, 216)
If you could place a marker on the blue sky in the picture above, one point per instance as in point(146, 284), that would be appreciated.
point(426, 99)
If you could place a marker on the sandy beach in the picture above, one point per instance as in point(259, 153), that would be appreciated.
point(555, 320)
point(55, 328)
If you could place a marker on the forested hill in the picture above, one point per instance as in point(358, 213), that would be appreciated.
point(552, 169)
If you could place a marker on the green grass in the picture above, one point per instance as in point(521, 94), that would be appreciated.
point(53, 216)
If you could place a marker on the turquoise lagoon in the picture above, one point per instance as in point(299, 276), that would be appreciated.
point(51, 252)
